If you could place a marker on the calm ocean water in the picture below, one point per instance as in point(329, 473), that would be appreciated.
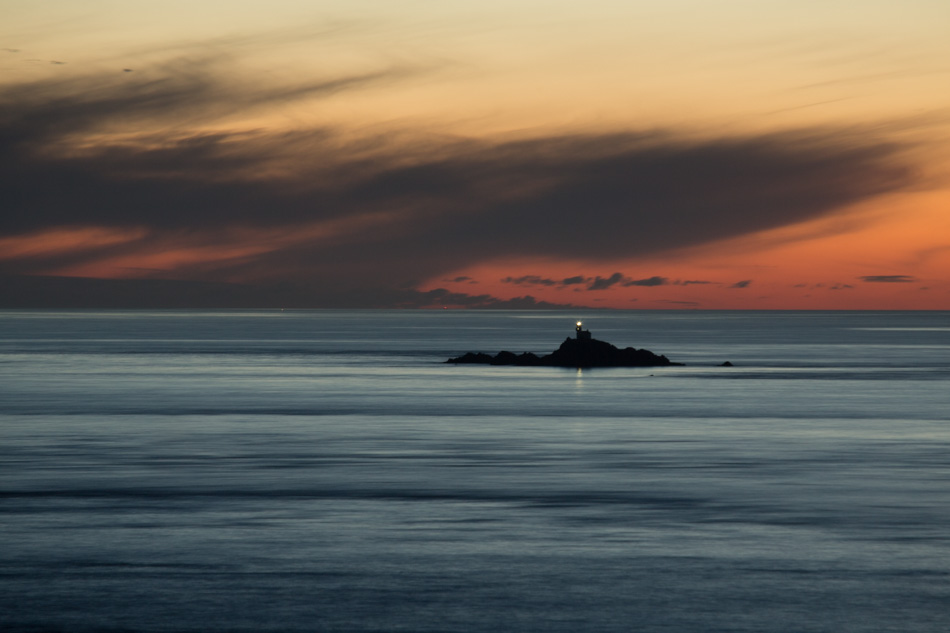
point(323, 471)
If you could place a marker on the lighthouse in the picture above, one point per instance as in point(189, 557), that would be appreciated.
point(582, 334)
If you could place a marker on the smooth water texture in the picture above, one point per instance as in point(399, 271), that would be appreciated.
point(325, 471)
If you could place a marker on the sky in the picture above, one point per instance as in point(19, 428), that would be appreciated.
point(521, 154)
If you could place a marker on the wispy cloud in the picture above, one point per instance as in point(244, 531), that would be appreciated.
point(346, 215)
point(888, 279)
point(573, 281)
point(531, 280)
point(591, 283)
point(649, 281)
point(689, 304)
point(602, 283)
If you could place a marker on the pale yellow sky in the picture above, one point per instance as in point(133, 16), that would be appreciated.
point(509, 65)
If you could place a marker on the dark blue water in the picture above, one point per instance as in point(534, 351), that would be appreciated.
point(323, 471)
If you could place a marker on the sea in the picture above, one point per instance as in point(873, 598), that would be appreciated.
point(269, 470)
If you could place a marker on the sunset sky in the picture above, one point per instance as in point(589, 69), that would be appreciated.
point(750, 154)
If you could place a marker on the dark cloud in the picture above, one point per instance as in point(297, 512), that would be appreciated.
point(573, 281)
point(602, 283)
point(79, 292)
point(398, 207)
point(592, 283)
point(690, 304)
point(460, 279)
point(692, 282)
point(741, 284)
point(649, 281)
point(531, 280)
point(888, 279)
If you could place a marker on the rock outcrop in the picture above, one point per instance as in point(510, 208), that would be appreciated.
point(573, 352)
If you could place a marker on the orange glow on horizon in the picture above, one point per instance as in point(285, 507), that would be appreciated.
point(801, 267)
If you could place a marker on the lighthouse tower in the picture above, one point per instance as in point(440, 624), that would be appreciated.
point(582, 334)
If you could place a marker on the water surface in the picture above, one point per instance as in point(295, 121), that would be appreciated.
point(323, 470)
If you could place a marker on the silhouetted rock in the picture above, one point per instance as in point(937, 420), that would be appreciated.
point(573, 352)
point(594, 353)
point(504, 358)
point(472, 358)
point(726, 364)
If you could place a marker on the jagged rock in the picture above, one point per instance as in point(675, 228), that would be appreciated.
point(573, 352)
point(473, 358)
point(594, 353)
